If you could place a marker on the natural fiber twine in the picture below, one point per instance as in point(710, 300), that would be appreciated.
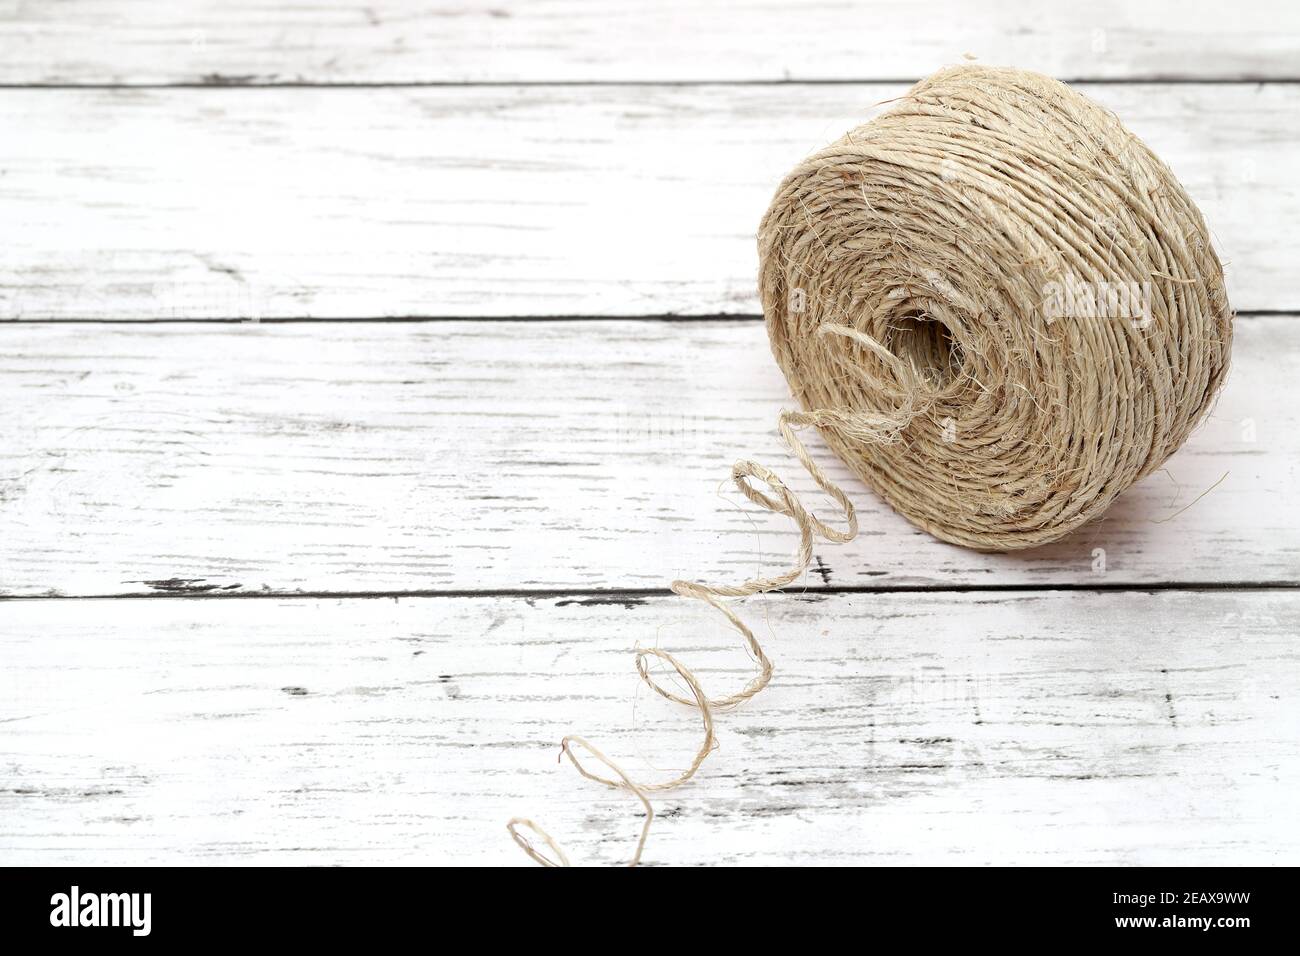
point(998, 307)
point(930, 251)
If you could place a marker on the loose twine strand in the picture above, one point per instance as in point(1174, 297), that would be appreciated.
point(778, 499)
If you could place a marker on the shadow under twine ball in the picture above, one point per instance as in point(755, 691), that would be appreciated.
point(999, 266)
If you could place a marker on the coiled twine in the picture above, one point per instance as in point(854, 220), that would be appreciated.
point(1001, 263)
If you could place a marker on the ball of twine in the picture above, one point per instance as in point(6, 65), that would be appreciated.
point(997, 262)
point(998, 307)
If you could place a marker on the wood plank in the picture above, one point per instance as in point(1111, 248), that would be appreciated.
point(1048, 728)
point(388, 41)
point(513, 201)
point(537, 455)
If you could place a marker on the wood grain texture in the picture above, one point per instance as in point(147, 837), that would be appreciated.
point(555, 455)
point(412, 41)
point(510, 472)
point(1049, 728)
point(503, 201)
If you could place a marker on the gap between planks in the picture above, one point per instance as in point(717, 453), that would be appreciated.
point(596, 596)
point(236, 83)
point(417, 319)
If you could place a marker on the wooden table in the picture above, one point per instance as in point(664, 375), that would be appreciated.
point(368, 371)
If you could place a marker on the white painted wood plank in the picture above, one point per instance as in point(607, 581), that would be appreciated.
point(539, 455)
point(1050, 728)
point(513, 201)
point(386, 41)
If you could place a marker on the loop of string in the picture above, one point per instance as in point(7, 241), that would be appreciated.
point(779, 499)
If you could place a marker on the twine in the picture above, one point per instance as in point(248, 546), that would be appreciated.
point(998, 307)
point(999, 253)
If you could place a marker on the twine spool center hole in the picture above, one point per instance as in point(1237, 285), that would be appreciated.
point(928, 345)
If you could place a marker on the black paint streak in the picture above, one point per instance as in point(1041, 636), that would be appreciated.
point(626, 601)
point(821, 569)
point(234, 79)
point(221, 269)
point(60, 792)
point(186, 586)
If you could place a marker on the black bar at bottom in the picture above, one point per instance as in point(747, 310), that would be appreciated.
point(139, 906)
